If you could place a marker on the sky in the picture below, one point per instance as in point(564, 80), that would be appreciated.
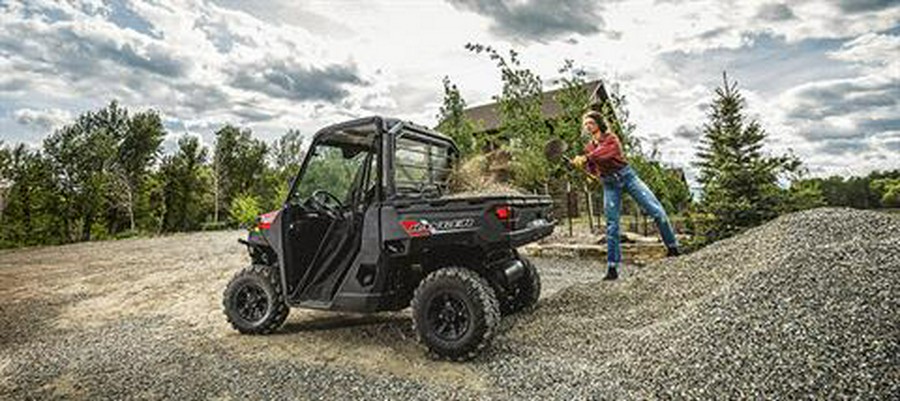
point(821, 77)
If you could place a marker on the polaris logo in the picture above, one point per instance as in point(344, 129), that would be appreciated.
point(458, 224)
point(422, 228)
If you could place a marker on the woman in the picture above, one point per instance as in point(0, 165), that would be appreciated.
point(603, 157)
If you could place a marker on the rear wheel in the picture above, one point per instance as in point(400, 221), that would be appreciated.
point(253, 301)
point(455, 313)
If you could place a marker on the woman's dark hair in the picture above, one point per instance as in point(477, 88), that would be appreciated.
point(598, 119)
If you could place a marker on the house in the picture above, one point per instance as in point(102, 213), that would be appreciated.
point(487, 117)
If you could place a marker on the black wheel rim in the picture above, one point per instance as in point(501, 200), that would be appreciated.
point(251, 303)
point(448, 317)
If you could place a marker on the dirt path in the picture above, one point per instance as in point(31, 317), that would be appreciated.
point(169, 289)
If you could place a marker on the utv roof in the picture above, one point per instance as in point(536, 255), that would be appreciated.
point(386, 123)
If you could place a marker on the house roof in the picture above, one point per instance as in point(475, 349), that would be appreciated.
point(487, 116)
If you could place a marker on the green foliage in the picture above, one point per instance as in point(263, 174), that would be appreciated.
point(288, 154)
point(328, 170)
point(573, 101)
point(186, 180)
point(454, 123)
point(616, 113)
point(287, 158)
point(101, 177)
point(801, 195)
point(82, 155)
point(239, 164)
point(28, 217)
point(870, 192)
point(889, 189)
point(244, 209)
point(98, 165)
point(5, 162)
point(522, 122)
point(739, 182)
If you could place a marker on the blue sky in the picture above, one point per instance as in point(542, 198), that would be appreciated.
point(823, 77)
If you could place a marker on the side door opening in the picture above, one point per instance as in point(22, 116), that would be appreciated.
point(325, 211)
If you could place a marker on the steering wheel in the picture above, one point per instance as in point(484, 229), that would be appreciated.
point(326, 195)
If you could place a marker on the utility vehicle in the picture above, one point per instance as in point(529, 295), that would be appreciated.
point(369, 226)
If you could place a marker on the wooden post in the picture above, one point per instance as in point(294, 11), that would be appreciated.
point(590, 209)
point(569, 205)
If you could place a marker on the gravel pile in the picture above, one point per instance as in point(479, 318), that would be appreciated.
point(805, 306)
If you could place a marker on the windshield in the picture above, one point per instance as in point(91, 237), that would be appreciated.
point(336, 165)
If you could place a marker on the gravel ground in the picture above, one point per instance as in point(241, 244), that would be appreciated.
point(803, 307)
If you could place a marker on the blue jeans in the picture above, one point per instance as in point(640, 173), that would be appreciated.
point(627, 179)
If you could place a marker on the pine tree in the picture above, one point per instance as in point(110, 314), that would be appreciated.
point(739, 182)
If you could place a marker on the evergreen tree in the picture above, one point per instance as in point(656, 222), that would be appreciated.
point(739, 182)
point(5, 162)
point(453, 121)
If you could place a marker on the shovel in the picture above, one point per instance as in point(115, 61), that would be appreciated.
point(555, 151)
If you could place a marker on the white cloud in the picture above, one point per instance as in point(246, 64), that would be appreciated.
point(876, 52)
point(288, 65)
point(44, 120)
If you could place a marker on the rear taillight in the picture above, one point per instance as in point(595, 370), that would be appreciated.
point(505, 214)
point(264, 221)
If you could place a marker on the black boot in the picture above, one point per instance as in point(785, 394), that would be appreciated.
point(673, 251)
point(612, 273)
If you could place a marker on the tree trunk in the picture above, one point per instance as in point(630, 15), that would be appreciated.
point(131, 208)
point(590, 208)
point(26, 210)
point(88, 222)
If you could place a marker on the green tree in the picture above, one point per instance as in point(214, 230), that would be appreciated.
point(739, 183)
point(239, 165)
point(29, 215)
point(521, 121)
point(138, 149)
point(287, 155)
point(889, 191)
point(184, 185)
point(573, 101)
point(83, 155)
point(453, 121)
point(244, 209)
point(5, 162)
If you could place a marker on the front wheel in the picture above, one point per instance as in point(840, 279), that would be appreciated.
point(455, 313)
point(253, 301)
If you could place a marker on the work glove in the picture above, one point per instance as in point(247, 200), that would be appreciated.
point(578, 161)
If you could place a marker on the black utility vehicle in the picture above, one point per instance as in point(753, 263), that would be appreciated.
point(368, 226)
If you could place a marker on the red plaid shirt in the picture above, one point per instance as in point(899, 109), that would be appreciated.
point(606, 157)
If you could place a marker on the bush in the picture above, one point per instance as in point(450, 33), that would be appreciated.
point(244, 209)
